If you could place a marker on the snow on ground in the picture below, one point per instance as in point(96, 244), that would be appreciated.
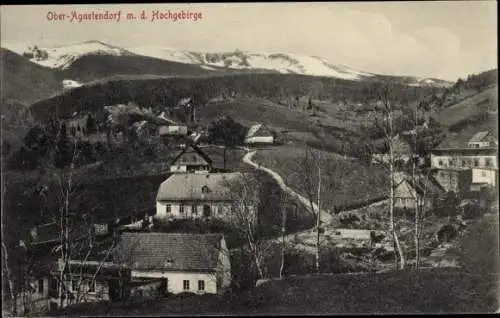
point(280, 62)
point(64, 56)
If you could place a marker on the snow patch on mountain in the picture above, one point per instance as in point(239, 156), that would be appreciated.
point(279, 62)
point(63, 56)
point(287, 63)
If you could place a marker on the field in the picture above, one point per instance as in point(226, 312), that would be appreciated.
point(404, 292)
point(466, 108)
point(346, 182)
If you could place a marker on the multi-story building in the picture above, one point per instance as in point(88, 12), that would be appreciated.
point(479, 152)
point(467, 164)
point(195, 196)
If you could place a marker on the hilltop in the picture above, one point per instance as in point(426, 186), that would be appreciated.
point(64, 57)
point(27, 82)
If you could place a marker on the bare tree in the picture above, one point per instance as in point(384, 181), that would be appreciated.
point(312, 175)
point(245, 198)
point(386, 124)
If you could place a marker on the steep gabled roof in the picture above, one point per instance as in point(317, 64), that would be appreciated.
point(169, 251)
point(196, 149)
point(189, 186)
point(420, 184)
point(256, 128)
point(480, 136)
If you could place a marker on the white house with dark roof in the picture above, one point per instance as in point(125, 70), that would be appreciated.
point(191, 159)
point(259, 134)
point(194, 196)
point(185, 262)
point(168, 127)
point(477, 151)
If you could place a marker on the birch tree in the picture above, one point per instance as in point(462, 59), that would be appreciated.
point(312, 175)
point(245, 197)
point(385, 114)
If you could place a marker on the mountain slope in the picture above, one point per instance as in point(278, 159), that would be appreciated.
point(284, 63)
point(91, 67)
point(467, 108)
point(25, 81)
point(68, 57)
point(159, 92)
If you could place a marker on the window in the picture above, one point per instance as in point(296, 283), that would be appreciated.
point(206, 211)
point(476, 162)
point(185, 284)
point(201, 285)
point(440, 163)
point(74, 285)
point(169, 208)
point(40, 286)
point(181, 209)
point(487, 162)
point(205, 189)
point(194, 209)
point(463, 163)
point(450, 163)
point(53, 283)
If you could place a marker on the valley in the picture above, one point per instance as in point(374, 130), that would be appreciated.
point(324, 123)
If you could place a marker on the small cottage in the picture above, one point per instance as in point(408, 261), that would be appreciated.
point(191, 159)
point(410, 194)
point(90, 281)
point(259, 134)
point(185, 262)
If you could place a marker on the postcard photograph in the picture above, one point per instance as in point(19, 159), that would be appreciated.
point(329, 158)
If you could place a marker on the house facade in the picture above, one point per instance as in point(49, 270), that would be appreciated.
point(410, 194)
point(185, 262)
point(193, 160)
point(172, 130)
point(197, 196)
point(259, 134)
point(480, 151)
point(91, 281)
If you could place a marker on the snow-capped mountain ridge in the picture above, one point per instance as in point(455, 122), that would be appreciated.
point(63, 57)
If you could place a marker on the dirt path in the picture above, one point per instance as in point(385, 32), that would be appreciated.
point(326, 218)
point(304, 240)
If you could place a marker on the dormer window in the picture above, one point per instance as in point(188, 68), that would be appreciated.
point(205, 189)
point(169, 262)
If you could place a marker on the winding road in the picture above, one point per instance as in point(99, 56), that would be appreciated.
point(304, 239)
point(326, 218)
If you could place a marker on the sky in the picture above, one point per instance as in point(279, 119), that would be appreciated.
point(447, 40)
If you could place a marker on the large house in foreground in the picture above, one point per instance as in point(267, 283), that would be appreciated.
point(195, 196)
point(184, 262)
